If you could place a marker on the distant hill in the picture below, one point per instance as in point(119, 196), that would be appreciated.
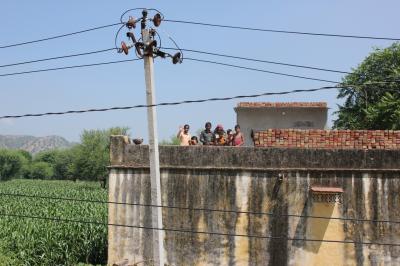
point(34, 144)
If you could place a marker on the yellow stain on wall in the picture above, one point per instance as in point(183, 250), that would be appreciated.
point(325, 253)
point(242, 243)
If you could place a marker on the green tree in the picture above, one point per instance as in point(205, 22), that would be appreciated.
point(61, 162)
point(92, 155)
point(372, 106)
point(10, 164)
point(48, 156)
point(63, 165)
point(40, 170)
point(26, 160)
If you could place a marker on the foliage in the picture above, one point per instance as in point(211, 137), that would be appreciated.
point(10, 164)
point(40, 170)
point(92, 155)
point(385, 114)
point(42, 242)
point(85, 161)
point(26, 155)
point(372, 106)
point(60, 161)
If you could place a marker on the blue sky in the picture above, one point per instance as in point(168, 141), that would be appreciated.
point(123, 84)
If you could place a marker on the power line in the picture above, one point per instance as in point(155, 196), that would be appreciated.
point(121, 61)
point(284, 31)
point(60, 36)
point(261, 70)
point(58, 57)
point(183, 102)
point(67, 67)
point(56, 219)
point(200, 209)
point(187, 50)
point(170, 103)
point(258, 60)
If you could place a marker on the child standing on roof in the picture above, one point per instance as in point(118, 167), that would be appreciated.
point(238, 139)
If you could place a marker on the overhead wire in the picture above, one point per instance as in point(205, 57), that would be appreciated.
point(58, 57)
point(20, 195)
point(182, 102)
point(283, 31)
point(67, 67)
point(59, 36)
point(260, 70)
point(258, 60)
point(191, 59)
point(190, 231)
point(181, 49)
point(167, 103)
point(204, 24)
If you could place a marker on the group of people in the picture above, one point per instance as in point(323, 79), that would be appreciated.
point(207, 137)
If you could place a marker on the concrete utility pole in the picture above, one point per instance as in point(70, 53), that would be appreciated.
point(147, 49)
point(158, 248)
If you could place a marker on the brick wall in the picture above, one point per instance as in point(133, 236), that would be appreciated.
point(282, 104)
point(328, 139)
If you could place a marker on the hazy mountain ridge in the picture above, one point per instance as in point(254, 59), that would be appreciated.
point(34, 144)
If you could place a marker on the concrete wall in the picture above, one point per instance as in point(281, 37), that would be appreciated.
point(248, 179)
point(266, 118)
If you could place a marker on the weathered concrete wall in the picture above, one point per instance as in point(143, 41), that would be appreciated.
point(247, 179)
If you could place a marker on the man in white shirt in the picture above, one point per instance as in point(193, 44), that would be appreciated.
point(184, 135)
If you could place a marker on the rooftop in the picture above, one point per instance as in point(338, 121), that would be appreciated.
point(281, 105)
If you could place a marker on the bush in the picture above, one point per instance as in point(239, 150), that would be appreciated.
point(92, 156)
point(10, 164)
point(40, 170)
point(60, 160)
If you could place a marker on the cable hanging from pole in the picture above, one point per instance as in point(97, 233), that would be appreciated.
point(190, 231)
point(283, 31)
point(261, 70)
point(184, 102)
point(180, 49)
point(200, 209)
point(67, 67)
point(259, 60)
point(59, 36)
point(58, 57)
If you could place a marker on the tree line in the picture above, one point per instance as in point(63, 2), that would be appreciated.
point(87, 160)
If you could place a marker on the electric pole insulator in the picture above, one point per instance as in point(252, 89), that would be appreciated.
point(157, 20)
point(131, 24)
point(176, 58)
point(124, 48)
point(148, 47)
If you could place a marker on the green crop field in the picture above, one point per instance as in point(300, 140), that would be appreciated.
point(26, 241)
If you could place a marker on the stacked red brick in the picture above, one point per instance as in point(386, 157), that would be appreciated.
point(282, 104)
point(328, 139)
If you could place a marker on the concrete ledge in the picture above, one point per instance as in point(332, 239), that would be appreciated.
point(123, 154)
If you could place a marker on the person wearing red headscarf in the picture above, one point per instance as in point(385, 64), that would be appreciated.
point(220, 136)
